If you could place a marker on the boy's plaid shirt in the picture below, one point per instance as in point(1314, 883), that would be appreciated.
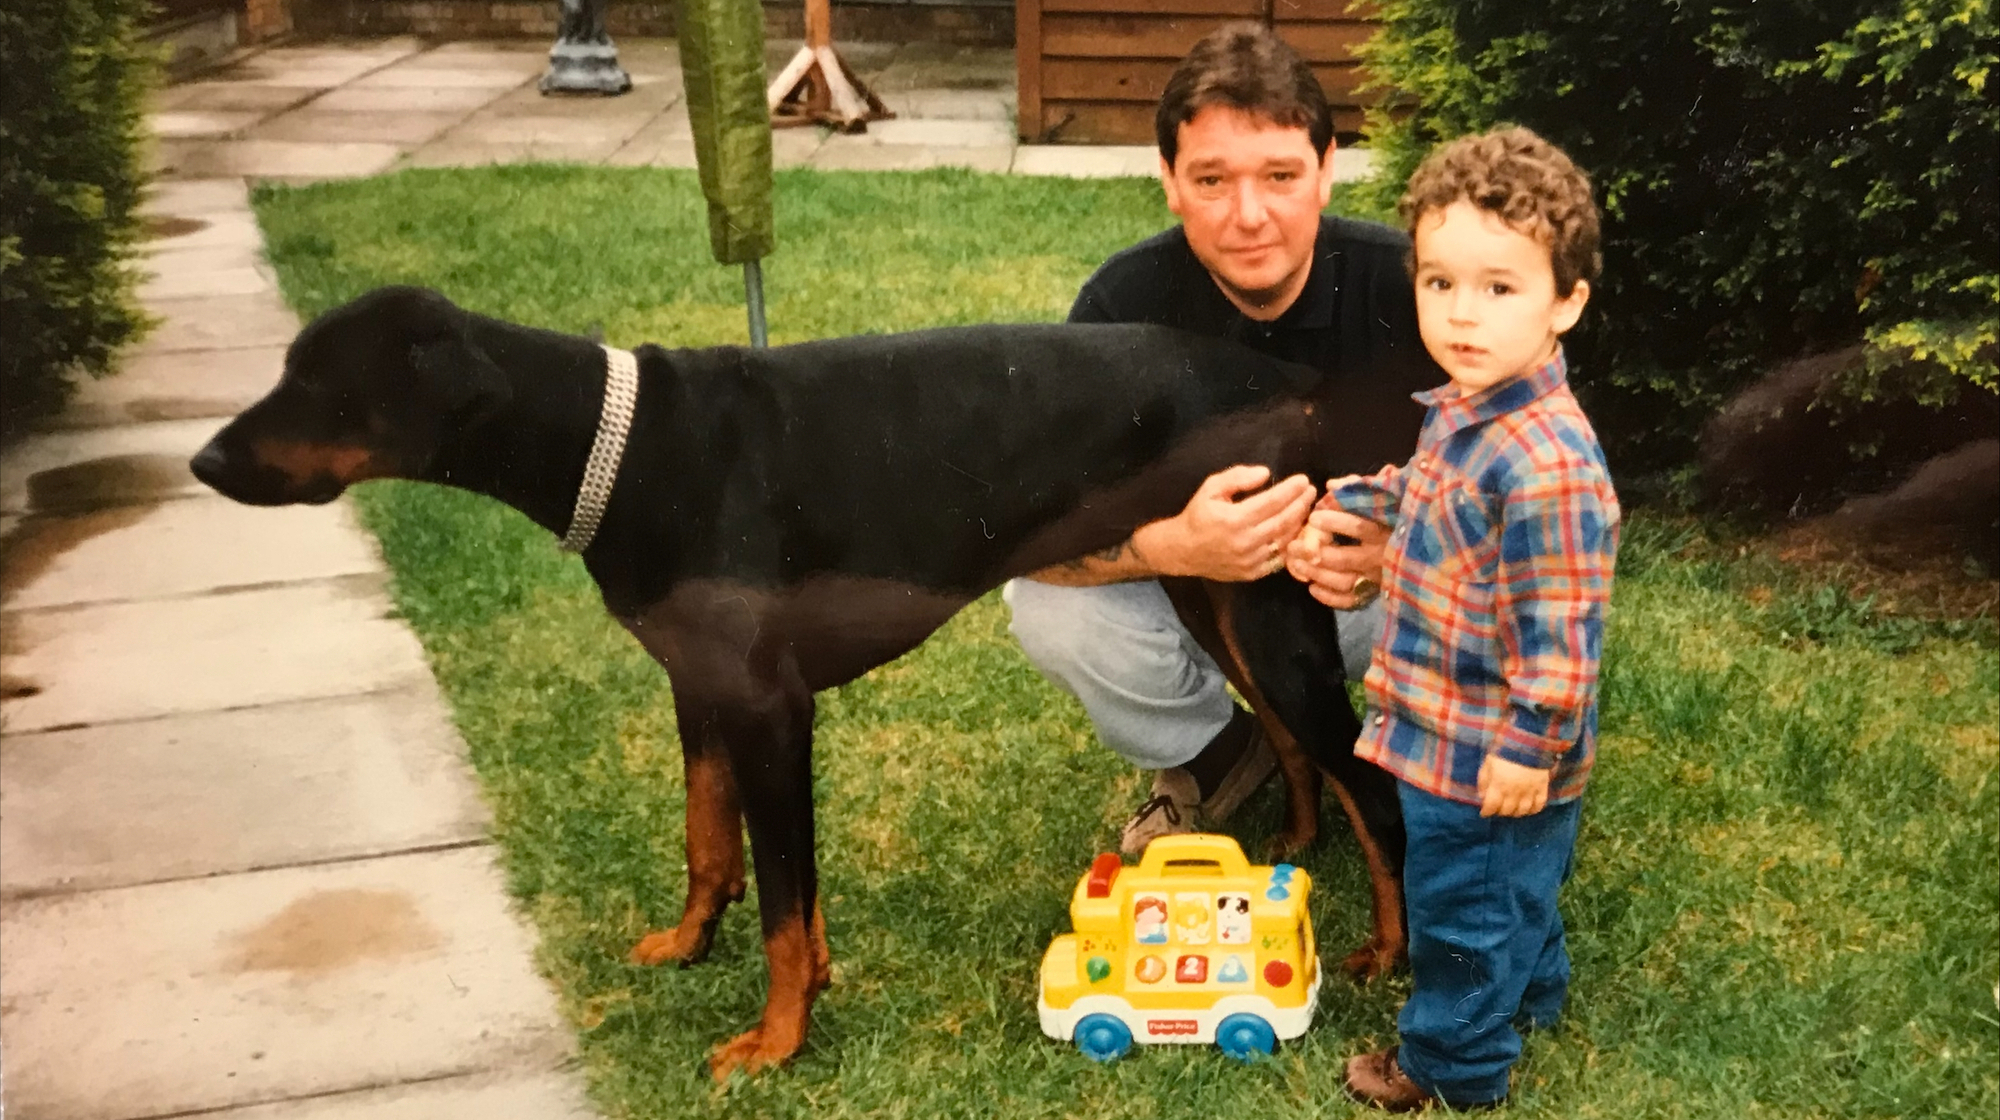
point(1496, 582)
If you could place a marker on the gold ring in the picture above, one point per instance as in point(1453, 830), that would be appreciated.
point(1365, 590)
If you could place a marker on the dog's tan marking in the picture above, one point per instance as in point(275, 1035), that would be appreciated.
point(303, 462)
point(794, 952)
point(715, 864)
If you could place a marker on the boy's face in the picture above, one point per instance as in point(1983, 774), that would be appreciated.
point(1249, 194)
point(1486, 297)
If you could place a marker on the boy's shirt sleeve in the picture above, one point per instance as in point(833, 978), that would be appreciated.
point(1376, 497)
point(1559, 540)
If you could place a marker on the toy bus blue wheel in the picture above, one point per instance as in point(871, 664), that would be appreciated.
point(1245, 1036)
point(1103, 1038)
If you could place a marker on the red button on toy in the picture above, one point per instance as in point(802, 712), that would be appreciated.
point(1192, 970)
point(1277, 974)
point(1102, 871)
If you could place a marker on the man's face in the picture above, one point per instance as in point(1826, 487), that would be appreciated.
point(1486, 297)
point(1249, 193)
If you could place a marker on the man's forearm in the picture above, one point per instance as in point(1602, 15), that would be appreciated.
point(1121, 563)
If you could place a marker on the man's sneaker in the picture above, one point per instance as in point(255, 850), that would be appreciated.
point(1252, 770)
point(1177, 805)
point(1170, 811)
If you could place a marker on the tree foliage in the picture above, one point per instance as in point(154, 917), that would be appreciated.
point(1778, 177)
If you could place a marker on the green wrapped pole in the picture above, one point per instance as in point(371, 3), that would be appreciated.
point(722, 64)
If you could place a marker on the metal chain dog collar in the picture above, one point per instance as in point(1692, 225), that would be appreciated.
point(621, 391)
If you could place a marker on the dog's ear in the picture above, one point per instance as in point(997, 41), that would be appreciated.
point(458, 379)
point(454, 376)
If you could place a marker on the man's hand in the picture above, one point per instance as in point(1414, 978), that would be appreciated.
point(1509, 789)
point(1332, 571)
point(1226, 532)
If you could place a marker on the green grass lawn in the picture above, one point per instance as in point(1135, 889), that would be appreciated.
point(1787, 898)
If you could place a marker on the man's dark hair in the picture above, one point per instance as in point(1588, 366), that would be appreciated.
point(1244, 66)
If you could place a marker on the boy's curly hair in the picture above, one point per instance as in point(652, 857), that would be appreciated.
point(1524, 179)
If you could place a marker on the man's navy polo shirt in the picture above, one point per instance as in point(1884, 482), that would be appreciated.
point(1355, 321)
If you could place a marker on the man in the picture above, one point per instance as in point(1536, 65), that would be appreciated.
point(1246, 158)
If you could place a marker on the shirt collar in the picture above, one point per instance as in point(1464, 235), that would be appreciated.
point(1455, 412)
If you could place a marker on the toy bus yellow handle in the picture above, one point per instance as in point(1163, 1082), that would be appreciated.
point(1215, 854)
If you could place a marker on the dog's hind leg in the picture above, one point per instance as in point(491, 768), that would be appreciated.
point(1289, 648)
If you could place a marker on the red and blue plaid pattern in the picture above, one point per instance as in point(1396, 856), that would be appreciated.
point(1496, 582)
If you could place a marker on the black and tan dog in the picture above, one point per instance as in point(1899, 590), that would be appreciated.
point(784, 520)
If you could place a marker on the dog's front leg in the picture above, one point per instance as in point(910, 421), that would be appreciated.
point(768, 732)
point(714, 852)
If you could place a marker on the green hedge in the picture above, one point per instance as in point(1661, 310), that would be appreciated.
point(1779, 178)
point(73, 76)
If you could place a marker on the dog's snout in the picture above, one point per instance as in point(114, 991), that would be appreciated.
point(210, 463)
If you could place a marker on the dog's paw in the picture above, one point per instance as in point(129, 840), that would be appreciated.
point(687, 945)
point(1372, 961)
point(1288, 843)
point(751, 1052)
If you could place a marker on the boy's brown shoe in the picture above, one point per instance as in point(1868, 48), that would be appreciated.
point(1378, 1079)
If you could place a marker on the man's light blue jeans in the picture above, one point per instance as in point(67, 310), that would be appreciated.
point(1156, 697)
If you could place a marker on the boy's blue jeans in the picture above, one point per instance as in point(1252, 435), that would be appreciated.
point(1486, 943)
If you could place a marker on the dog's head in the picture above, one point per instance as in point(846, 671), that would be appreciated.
point(371, 389)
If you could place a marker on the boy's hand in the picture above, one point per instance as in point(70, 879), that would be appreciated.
point(1338, 556)
point(1509, 789)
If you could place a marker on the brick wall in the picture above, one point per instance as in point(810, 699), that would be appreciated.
point(970, 22)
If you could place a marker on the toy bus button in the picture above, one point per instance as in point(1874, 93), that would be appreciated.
point(1150, 969)
point(1097, 968)
point(1277, 894)
point(1192, 970)
point(1277, 974)
point(1282, 873)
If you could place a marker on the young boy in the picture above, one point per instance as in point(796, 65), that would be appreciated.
point(1484, 681)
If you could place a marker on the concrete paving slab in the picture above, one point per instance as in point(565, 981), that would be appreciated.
point(795, 147)
point(179, 997)
point(221, 323)
point(176, 385)
point(1087, 162)
point(217, 229)
point(314, 123)
point(288, 159)
point(188, 197)
point(938, 133)
point(162, 283)
point(416, 75)
point(856, 153)
point(947, 66)
point(160, 259)
point(447, 152)
point(550, 128)
point(222, 793)
point(467, 55)
point(94, 468)
point(182, 124)
point(545, 1096)
point(389, 99)
point(175, 547)
point(662, 143)
point(650, 93)
point(103, 663)
point(954, 104)
point(240, 96)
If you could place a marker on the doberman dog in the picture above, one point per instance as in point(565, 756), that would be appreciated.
point(783, 520)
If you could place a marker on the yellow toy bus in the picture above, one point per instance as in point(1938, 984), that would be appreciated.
point(1192, 945)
